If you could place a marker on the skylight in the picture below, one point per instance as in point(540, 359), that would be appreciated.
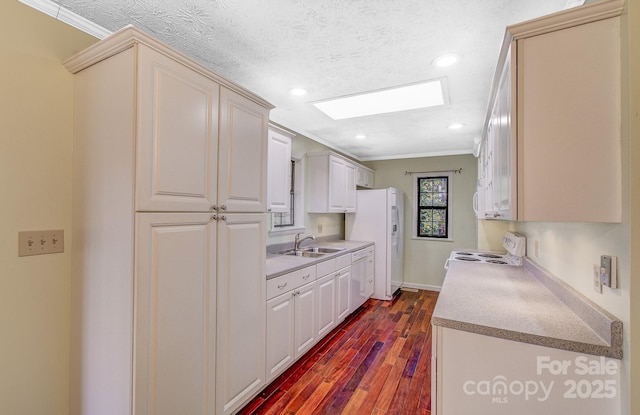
point(408, 97)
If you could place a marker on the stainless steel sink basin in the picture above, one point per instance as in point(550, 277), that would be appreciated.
point(323, 250)
point(307, 254)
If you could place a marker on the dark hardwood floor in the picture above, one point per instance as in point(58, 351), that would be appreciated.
point(378, 361)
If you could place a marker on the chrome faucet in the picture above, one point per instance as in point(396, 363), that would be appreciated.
point(298, 241)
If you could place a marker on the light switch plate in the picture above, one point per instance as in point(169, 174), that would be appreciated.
point(608, 271)
point(40, 242)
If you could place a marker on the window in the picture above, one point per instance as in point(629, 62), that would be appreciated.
point(292, 221)
point(286, 219)
point(432, 202)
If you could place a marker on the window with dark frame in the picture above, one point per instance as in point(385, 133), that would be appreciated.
point(286, 219)
point(433, 207)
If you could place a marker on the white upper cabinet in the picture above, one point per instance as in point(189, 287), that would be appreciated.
point(499, 156)
point(551, 144)
point(279, 171)
point(569, 156)
point(242, 165)
point(364, 177)
point(177, 135)
point(331, 183)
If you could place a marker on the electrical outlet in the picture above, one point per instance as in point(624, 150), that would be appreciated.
point(597, 285)
point(319, 228)
point(40, 242)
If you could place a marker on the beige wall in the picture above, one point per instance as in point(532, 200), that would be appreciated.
point(35, 178)
point(424, 259)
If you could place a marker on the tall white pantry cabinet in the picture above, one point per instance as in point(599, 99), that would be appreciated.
point(169, 201)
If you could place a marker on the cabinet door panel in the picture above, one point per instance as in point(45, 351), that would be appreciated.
point(279, 177)
point(350, 188)
point(242, 172)
point(175, 314)
point(241, 288)
point(326, 287)
point(280, 334)
point(343, 294)
point(305, 319)
point(177, 136)
point(337, 184)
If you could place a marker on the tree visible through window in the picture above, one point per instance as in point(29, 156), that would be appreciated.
point(433, 207)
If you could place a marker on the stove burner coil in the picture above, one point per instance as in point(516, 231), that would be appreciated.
point(495, 261)
point(464, 258)
point(464, 253)
point(490, 256)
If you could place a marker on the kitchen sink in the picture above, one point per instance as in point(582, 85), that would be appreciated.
point(307, 254)
point(316, 249)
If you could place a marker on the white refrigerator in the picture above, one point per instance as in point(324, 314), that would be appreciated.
point(379, 218)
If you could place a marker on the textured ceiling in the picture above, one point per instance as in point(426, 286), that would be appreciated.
point(341, 47)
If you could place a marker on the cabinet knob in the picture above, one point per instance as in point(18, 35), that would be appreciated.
point(496, 215)
point(214, 207)
point(282, 286)
point(223, 217)
point(223, 207)
point(214, 217)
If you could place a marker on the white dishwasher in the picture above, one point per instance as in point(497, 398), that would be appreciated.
point(360, 290)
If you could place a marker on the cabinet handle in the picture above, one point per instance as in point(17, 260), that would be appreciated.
point(223, 217)
point(223, 207)
point(282, 286)
point(305, 277)
point(496, 215)
point(214, 207)
point(214, 217)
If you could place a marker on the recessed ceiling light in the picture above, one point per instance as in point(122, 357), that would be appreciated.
point(445, 60)
point(298, 91)
point(455, 126)
point(407, 97)
point(361, 136)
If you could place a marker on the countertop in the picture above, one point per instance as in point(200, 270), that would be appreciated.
point(525, 304)
point(278, 264)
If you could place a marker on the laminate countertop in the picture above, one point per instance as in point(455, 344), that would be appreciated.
point(278, 264)
point(525, 304)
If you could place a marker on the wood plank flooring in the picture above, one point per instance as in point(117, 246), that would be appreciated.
point(376, 362)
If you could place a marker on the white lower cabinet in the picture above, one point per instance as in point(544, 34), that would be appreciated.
point(343, 293)
point(241, 317)
point(306, 306)
point(326, 287)
point(291, 315)
point(301, 310)
point(175, 300)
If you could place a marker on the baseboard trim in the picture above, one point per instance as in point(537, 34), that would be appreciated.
point(421, 286)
